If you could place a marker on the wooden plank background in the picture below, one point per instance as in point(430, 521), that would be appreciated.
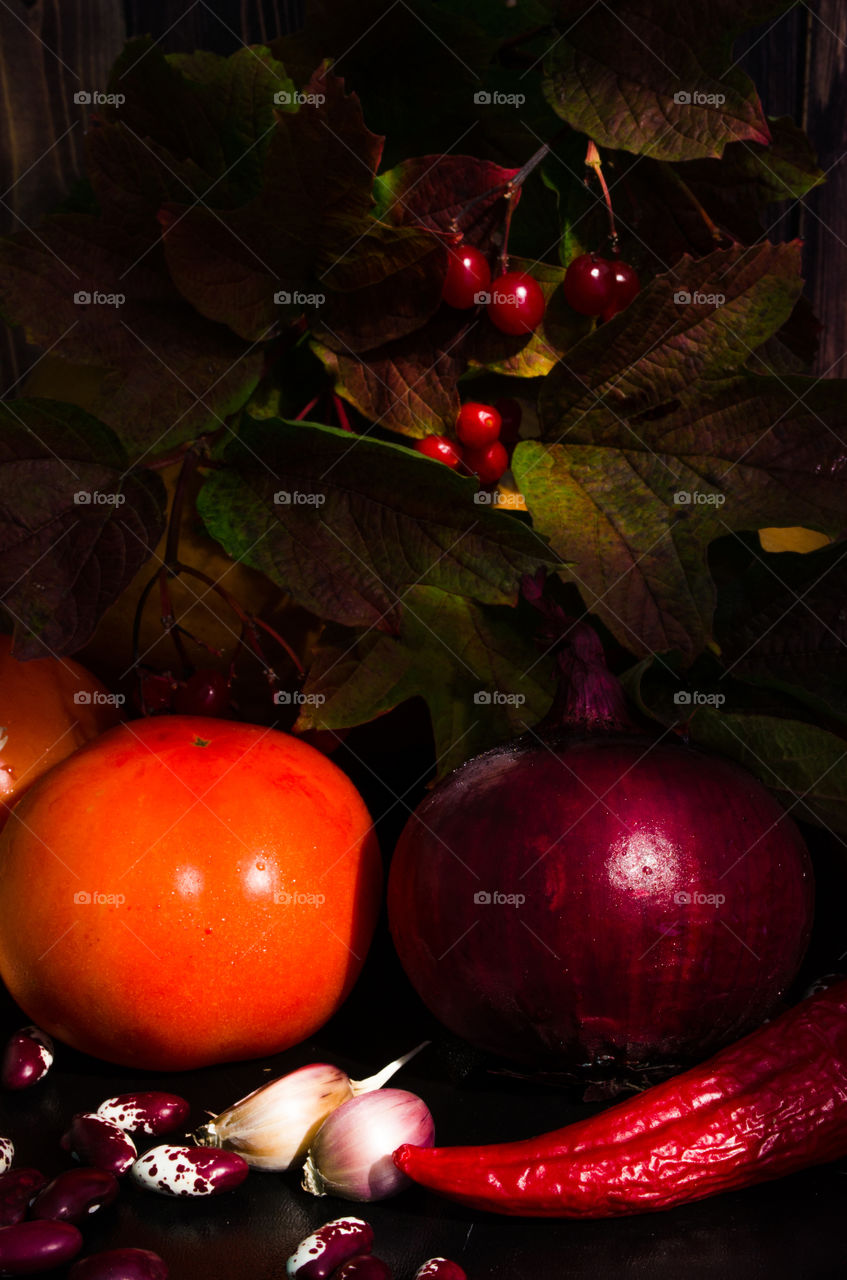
point(50, 48)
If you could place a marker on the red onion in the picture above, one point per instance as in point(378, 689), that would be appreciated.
point(588, 895)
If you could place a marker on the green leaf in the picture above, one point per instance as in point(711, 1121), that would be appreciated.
point(170, 375)
point(783, 620)
point(476, 667)
point(314, 203)
point(364, 522)
point(804, 766)
point(193, 126)
point(647, 408)
point(411, 385)
point(76, 523)
point(434, 191)
point(657, 80)
point(659, 349)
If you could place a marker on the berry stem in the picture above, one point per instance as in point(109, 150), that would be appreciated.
point(248, 621)
point(593, 161)
point(341, 413)
point(307, 408)
point(169, 621)
point(715, 232)
point(504, 189)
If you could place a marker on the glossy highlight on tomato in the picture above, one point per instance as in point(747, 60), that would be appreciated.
point(206, 892)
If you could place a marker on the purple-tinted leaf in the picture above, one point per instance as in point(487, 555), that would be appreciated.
point(76, 523)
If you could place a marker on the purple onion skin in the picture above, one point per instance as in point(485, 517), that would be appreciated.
point(30, 1247)
point(363, 1267)
point(189, 1171)
point(27, 1058)
point(612, 952)
point(120, 1264)
point(440, 1269)
point(17, 1187)
point(151, 1112)
point(95, 1141)
point(325, 1250)
point(74, 1195)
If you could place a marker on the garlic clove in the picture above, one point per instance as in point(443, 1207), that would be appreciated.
point(351, 1156)
point(273, 1127)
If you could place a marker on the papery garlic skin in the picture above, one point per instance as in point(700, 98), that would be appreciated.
point(351, 1156)
point(273, 1126)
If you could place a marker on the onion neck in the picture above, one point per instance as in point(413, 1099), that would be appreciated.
point(590, 698)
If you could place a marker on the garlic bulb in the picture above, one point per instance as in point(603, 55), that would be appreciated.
point(274, 1125)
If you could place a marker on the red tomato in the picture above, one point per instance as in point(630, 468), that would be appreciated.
point(185, 891)
point(48, 708)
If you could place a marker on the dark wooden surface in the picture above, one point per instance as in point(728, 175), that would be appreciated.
point(798, 64)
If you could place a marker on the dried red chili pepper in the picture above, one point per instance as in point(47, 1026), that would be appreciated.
point(769, 1105)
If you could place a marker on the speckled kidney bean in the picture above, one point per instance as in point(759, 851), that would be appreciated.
point(120, 1264)
point(17, 1187)
point(189, 1171)
point(363, 1267)
point(74, 1195)
point(7, 1154)
point(151, 1112)
point(440, 1269)
point(27, 1058)
point(93, 1140)
point(323, 1252)
point(30, 1247)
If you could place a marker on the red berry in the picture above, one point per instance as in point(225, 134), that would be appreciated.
point(589, 284)
point(510, 414)
point(440, 449)
point(206, 693)
point(478, 424)
point(155, 693)
point(626, 286)
point(517, 303)
point(468, 273)
point(487, 464)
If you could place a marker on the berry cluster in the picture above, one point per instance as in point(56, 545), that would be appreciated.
point(595, 286)
point(483, 432)
point(515, 301)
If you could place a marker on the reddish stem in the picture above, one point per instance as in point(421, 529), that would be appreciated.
point(593, 161)
point(249, 621)
point(341, 413)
